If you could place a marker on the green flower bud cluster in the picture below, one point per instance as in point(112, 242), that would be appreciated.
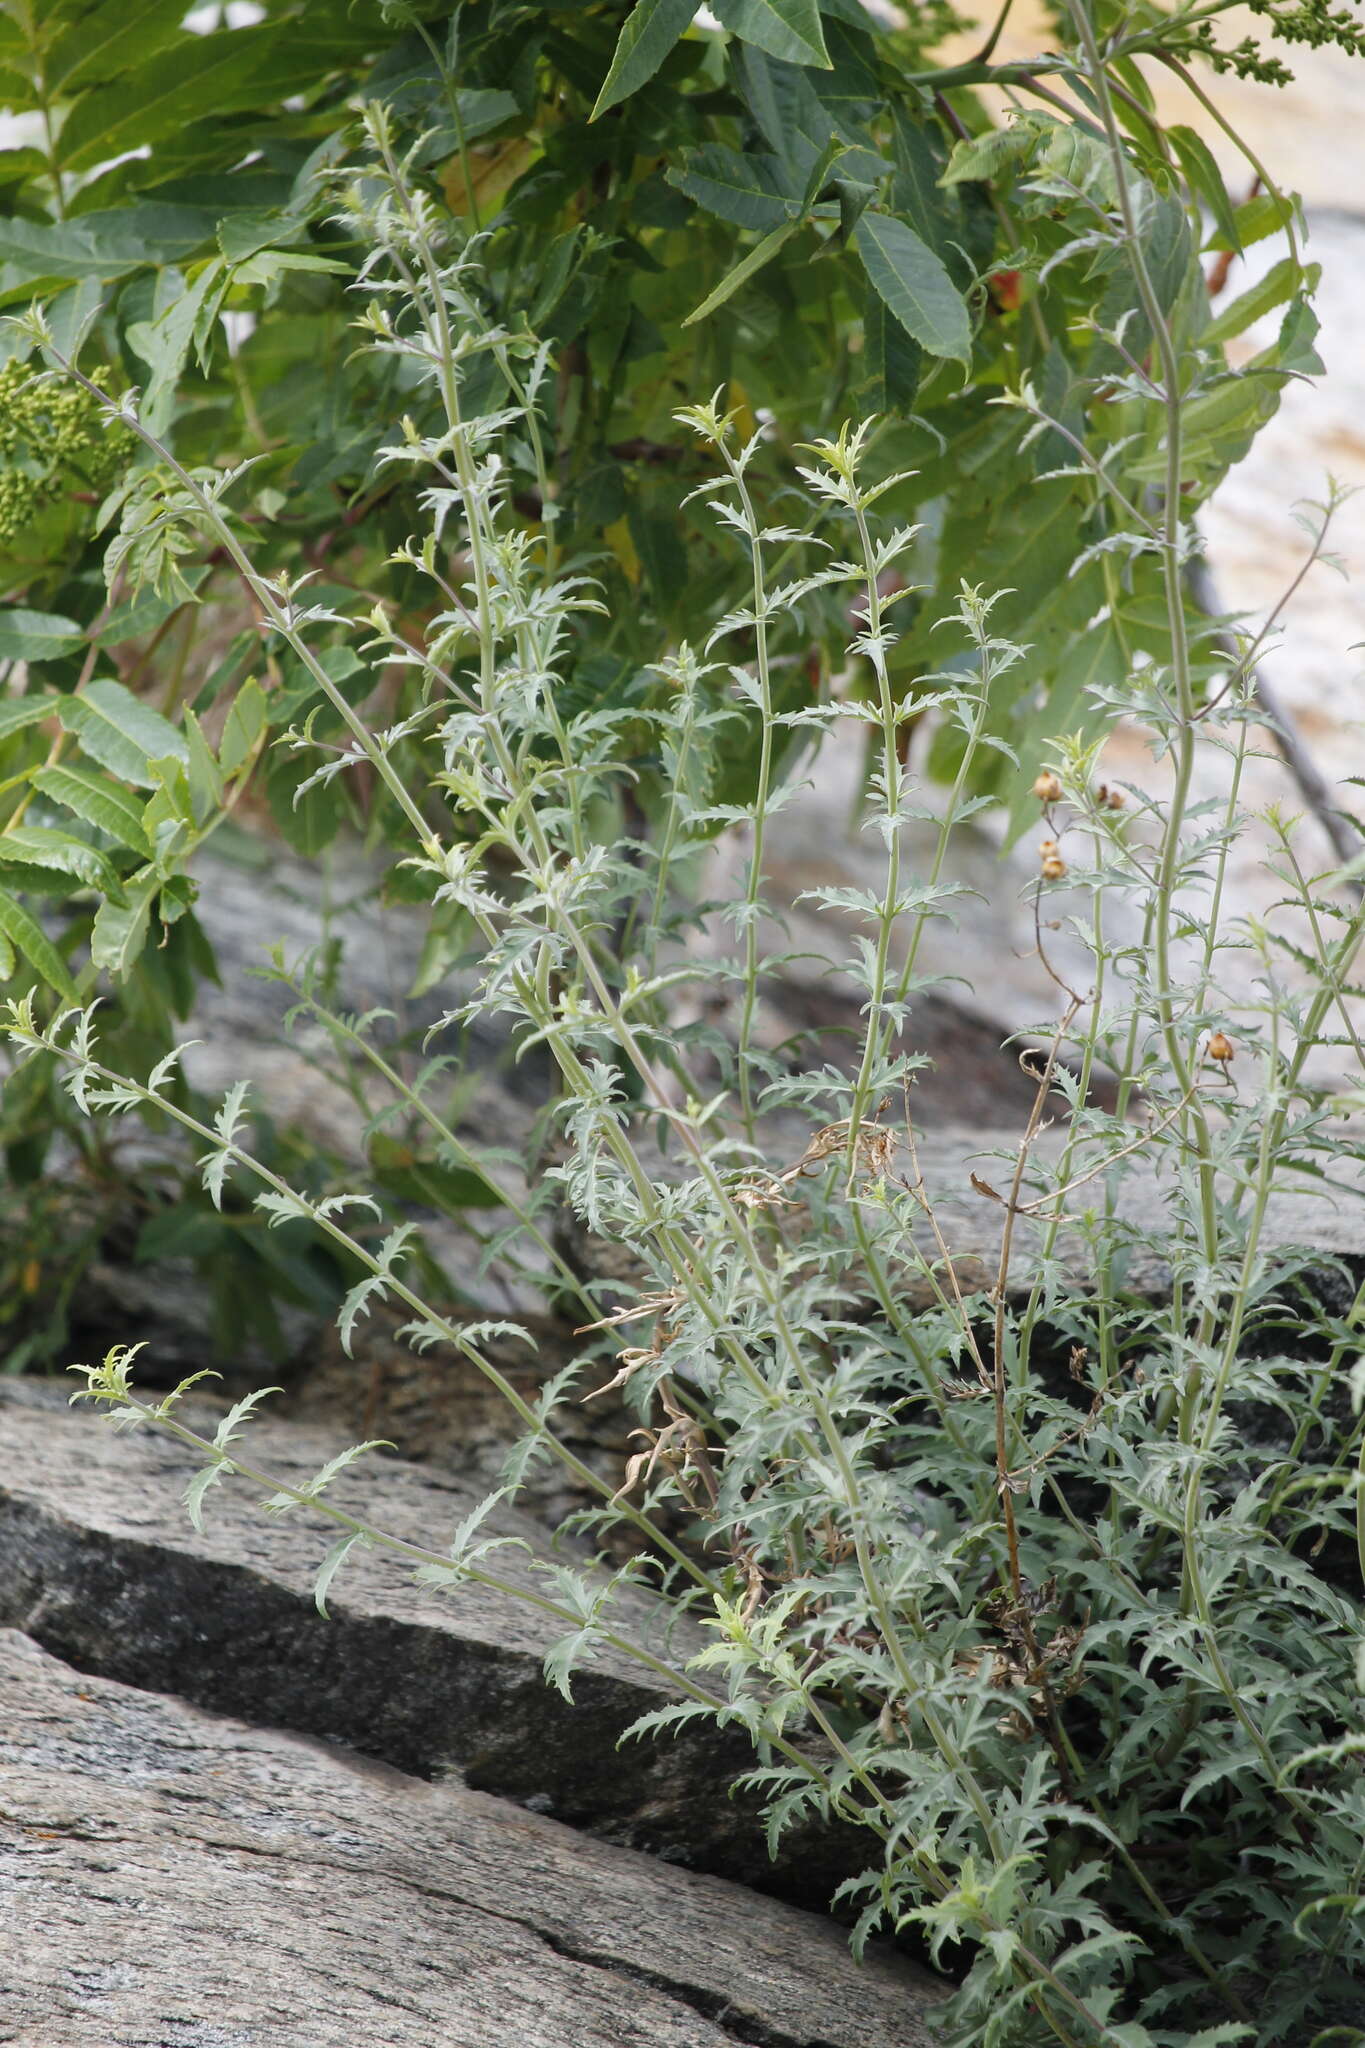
point(54, 439)
point(1312, 23)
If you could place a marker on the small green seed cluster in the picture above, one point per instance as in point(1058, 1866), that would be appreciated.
point(53, 438)
point(1312, 23)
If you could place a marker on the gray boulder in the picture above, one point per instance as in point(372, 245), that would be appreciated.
point(173, 1879)
point(101, 1566)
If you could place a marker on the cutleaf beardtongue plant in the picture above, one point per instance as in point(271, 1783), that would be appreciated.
point(1076, 1653)
point(793, 201)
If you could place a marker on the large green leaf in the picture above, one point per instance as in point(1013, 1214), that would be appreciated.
point(164, 344)
point(1280, 282)
point(891, 361)
point(1205, 180)
point(25, 934)
point(795, 122)
point(37, 846)
point(242, 729)
point(914, 287)
point(17, 712)
point(787, 29)
point(101, 803)
point(121, 733)
point(174, 89)
point(763, 252)
point(117, 36)
point(743, 187)
point(120, 930)
point(100, 245)
point(648, 36)
point(37, 636)
point(984, 157)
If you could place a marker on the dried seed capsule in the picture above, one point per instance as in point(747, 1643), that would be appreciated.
point(1048, 788)
point(1221, 1047)
point(1053, 866)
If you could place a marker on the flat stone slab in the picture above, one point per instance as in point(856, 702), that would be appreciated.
point(100, 1565)
point(175, 1879)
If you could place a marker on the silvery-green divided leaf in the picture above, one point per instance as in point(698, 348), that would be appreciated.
point(199, 1485)
point(331, 1565)
point(229, 1429)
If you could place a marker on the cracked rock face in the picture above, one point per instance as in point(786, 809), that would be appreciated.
point(100, 1565)
point(173, 1879)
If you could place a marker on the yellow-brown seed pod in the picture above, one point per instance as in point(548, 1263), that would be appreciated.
point(1053, 866)
point(1047, 788)
point(1221, 1047)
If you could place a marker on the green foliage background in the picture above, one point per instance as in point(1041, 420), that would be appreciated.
point(798, 206)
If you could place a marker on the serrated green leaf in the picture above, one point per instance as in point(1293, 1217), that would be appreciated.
point(120, 930)
point(102, 804)
point(564, 1655)
point(649, 34)
point(1256, 218)
point(109, 40)
point(123, 734)
point(24, 932)
point(984, 157)
point(1280, 282)
point(1205, 180)
point(1219, 427)
point(142, 614)
point(914, 287)
point(795, 122)
point(789, 30)
point(18, 712)
point(758, 256)
point(740, 186)
point(246, 233)
point(101, 246)
point(205, 776)
point(39, 846)
point(222, 71)
point(171, 804)
point(1296, 348)
point(891, 360)
point(164, 344)
point(268, 265)
point(37, 636)
point(242, 729)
